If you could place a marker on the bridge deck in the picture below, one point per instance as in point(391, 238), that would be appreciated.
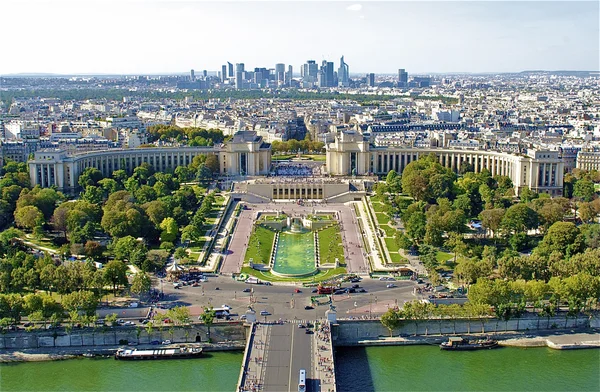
point(279, 351)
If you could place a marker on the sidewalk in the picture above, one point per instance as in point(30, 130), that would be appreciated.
point(255, 373)
point(323, 362)
point(369, 237)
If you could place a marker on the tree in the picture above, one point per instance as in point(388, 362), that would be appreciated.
point(170, 230)
point(123, 247)
point(93, 249)
point(563, 237)
point(141, 283)
point(519, 218)
point(90, 176)
point(81, 301)
point(180, 315)
point(212, 163)
point(391, 320)
point(584, 190)
point(208, 317)
point(415, 226)
point(29, 217)
point(111, 318)
point(492, 219)
point(115, 273)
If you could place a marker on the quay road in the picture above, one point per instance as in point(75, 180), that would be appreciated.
point(283, 302)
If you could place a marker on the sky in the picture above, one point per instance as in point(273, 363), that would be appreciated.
point(164, 36)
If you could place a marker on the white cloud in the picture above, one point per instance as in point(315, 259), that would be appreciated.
point(354, 7)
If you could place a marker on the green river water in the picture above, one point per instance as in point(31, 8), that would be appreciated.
point(413, 368)
point(427, 368)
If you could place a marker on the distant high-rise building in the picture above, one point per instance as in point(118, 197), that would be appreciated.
point(239, 67)
point(230, 73)
point(192, 76)
point(371, 79)
point(343, 74)
point(321, 78)
point(239, 75)
point(288, 76)
point(309, 71)
point(280, 72)
point(204, 74)
point(223, 73)
point(402, 77)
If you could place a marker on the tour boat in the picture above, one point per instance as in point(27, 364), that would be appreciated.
point(163, 353)
point(460, 344)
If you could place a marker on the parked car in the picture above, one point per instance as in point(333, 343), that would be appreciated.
point(226, 307)
point(308, 307)
point(308, 331)
point(301, 326)
point(264, 313)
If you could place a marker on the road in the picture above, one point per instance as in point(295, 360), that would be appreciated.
point(282, 367)
point(282, 302)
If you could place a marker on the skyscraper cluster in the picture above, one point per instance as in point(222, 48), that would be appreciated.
point(260, 77)
point(325, 75)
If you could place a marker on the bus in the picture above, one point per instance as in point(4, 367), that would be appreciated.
point(302, 381)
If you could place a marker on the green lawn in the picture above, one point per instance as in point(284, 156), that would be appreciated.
point(282, 157)
point(442, 257)
point(44, 242)
point(197, 246)
point(396, 258)
point(274, 218)
point(320, 276)
point(382, 218)
point(316, 157)
point(260, 245)
point(378, 207)
point(389, 231)
point(391, 244)
point(330, 245)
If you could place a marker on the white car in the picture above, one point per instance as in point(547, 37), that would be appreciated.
point(390, 285)
point(166, 342)
point(227, 307)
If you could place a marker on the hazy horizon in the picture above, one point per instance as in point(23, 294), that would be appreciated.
point(160, 37)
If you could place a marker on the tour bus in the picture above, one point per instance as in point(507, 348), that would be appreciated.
point(302, 381)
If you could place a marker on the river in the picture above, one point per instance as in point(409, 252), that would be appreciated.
point(380, 369)
point(427, 368)
point(216, 371)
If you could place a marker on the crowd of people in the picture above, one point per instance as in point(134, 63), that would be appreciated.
point(325, 362)
point(294, 170)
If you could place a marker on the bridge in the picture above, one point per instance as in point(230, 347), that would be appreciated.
point(275, 353)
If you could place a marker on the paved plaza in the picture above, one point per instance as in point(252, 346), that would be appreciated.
point(353, 251)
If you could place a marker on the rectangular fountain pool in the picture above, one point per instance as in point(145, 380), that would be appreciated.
point(295, 254)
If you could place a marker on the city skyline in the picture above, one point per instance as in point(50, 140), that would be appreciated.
point(106, 37)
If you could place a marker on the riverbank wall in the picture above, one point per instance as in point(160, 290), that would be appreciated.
point(104, 336)
point(361, 332)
